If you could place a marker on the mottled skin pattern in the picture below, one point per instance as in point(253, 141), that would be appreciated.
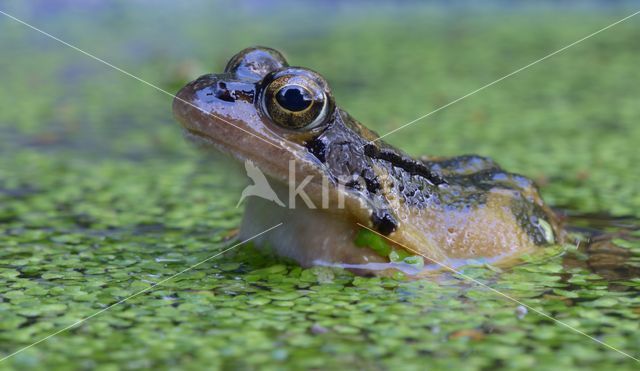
point(463, 207)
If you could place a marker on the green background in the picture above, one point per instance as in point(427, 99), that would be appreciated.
point(101, 197)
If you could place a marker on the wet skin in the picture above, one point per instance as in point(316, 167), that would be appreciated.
point(447, 209)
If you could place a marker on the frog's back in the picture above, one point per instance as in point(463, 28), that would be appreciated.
point(481, 212)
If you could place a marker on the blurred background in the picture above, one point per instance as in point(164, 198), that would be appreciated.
point(100, 195)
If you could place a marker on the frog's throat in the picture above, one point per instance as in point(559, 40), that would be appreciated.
point(306, 235)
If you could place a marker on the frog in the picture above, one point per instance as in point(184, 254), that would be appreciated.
point(284, 121)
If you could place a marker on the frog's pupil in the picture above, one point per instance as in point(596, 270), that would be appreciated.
point(294, 98)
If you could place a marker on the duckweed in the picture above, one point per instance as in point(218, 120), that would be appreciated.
point(100, 197)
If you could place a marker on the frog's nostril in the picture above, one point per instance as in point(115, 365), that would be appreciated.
point(208, 90)
point(221, 92)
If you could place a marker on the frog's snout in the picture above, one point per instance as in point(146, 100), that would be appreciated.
point(181, 103)
point(192, 103)
point(186, 99)
point(206, 95)
point(219, 108)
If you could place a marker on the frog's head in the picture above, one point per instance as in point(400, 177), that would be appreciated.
point(258, 109)
point(263, 110)
point(258, 98)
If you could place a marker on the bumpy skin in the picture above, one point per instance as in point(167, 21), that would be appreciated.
point(463, 207)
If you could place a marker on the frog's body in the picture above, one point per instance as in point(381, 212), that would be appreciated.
point(284, 120)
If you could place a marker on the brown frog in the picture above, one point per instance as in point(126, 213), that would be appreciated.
point(285, 121)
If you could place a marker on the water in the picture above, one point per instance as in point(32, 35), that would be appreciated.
point(600, 237)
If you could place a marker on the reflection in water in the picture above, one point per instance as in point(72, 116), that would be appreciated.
point(602, 246)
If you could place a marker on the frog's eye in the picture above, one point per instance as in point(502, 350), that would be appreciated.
point(296, 101)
